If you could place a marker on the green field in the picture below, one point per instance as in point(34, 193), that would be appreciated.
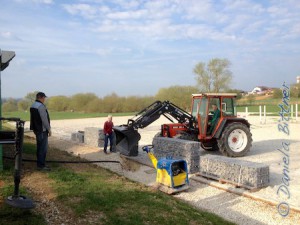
point(274, 109)
point(271, 108)
point(63, 115)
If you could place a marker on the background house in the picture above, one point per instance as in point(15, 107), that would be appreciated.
point(260, 90)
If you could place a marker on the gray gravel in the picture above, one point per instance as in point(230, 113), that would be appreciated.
point(238, 209)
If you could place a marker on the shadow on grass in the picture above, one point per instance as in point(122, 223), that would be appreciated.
point(8, 214)
point(123, 201)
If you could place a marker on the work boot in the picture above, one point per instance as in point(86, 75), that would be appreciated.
point(45, 168)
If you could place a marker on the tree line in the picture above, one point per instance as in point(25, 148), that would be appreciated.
point(112, 103)
point(214, 76)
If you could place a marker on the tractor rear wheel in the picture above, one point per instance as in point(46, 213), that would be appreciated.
point(236, 140)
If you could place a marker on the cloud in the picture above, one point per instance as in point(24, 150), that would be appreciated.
point(95, 38)
point(47, 2)
point(138, 14)
point(85, 10)
point(6, 34)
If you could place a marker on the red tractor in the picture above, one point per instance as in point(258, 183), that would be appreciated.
point(217, 129)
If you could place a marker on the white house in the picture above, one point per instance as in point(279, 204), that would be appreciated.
point(260, 90)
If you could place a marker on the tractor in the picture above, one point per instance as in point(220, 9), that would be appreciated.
point(218, 129)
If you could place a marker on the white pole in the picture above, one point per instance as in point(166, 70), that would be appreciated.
point(296, 112)
point(246, 109)
point(265, 109)
point(260, 114)
point(292, 111)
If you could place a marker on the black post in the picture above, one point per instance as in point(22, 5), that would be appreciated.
point(5, 58)
point(17, 200)
point(18, 161)
point(1, 150)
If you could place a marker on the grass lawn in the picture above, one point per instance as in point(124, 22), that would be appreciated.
point(270, 109)
point(63, 115)
point(89, 193)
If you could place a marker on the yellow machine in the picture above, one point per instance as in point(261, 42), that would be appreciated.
point(171, 174)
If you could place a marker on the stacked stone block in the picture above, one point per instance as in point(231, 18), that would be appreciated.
point(243, 173)
point(94, 136)
point(78, 137)
point(178, 149)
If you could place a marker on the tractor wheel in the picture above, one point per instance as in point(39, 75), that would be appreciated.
point(236, 140)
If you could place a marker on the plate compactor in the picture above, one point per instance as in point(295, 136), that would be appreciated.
point(171, 174)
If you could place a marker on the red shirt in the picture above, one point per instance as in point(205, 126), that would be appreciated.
point(108, 127)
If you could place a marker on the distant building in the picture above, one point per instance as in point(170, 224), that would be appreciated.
point(260, 90)
point(298, 79)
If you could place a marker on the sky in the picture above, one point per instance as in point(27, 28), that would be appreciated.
point(136, 47)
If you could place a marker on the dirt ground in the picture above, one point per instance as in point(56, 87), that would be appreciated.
point(267, 139)
point(44, 196)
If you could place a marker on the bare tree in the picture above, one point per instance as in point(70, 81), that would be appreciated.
point(179, 95)
point(213, 77)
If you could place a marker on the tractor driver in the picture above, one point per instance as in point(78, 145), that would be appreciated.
point(215, 118)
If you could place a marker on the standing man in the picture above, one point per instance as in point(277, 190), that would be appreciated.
point(40, 124)
point(108, 132)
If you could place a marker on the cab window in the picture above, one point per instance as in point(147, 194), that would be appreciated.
point(228, 107)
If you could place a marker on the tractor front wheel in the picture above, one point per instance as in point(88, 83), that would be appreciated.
point(236, 140)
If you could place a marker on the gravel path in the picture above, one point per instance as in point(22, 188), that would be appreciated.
point(241, 210)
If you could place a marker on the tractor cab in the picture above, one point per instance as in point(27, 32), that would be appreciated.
point(209, 110)
point(218, 126)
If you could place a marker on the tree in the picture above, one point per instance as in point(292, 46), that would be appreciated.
point(30, 97)
point(80, 101)
point(237, 91)
point(27, 101)
point(277, 93)
point(94, 106)
point(10, 105)
point(295, 90)
point(213, 77)
point(23, 105)
point(112, 103)
point(58, 103)
point(179, 95)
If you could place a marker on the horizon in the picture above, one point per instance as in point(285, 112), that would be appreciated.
point(134, 48)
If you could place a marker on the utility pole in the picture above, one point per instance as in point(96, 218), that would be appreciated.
point(5, 58)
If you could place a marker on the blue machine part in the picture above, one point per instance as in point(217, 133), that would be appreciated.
point(168, 164)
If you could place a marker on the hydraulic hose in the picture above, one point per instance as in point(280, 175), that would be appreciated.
point(62, 161)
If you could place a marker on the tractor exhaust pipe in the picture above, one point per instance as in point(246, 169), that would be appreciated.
point(127, 140)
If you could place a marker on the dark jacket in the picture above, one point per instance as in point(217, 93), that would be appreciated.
point(39, 117)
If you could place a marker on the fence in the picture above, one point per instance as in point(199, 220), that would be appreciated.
point(263, 112)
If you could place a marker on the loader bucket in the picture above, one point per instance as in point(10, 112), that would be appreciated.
point(127, 140)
